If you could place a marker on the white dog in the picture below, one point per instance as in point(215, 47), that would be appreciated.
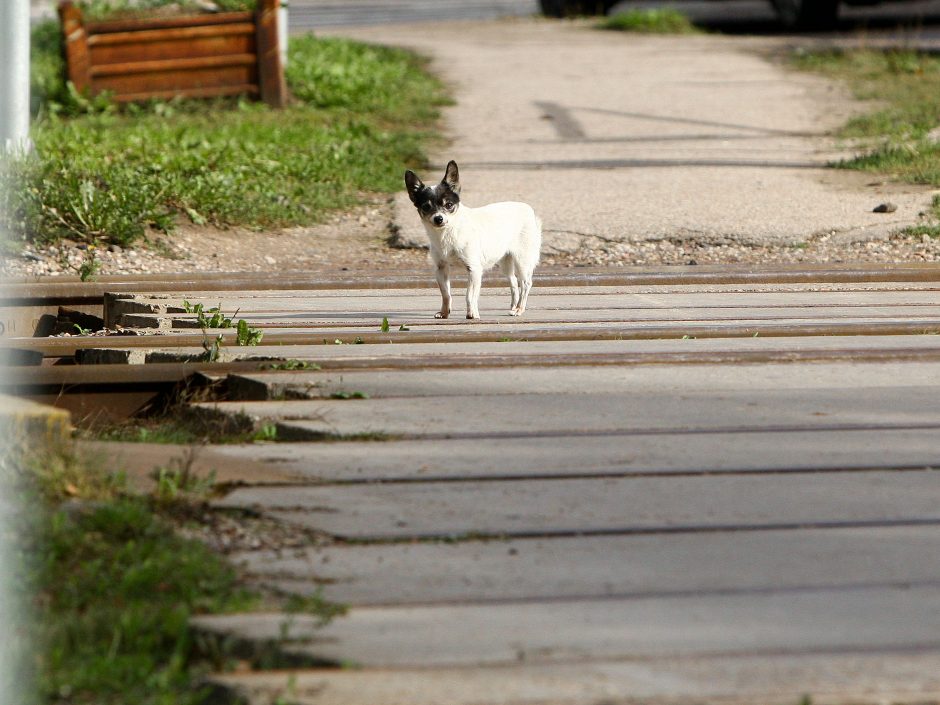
point(505, 233)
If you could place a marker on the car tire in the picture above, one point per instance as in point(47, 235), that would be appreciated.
point(570, 8)
point(807, 14)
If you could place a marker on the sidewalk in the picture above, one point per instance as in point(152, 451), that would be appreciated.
point(618, 137)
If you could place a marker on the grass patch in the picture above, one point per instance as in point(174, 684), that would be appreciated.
point(361, 114)
point(97, 10)
point(893, 139)
point(664, 21)
point(178, 428)
point(115, 584)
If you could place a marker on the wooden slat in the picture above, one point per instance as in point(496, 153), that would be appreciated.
point(215, 45)
point(194, 64)
point(164, 83)
point(162, 35)
point(168, 22)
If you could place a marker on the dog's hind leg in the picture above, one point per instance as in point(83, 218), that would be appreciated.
point(525, 285)
point(443, 282)
point(508, 266)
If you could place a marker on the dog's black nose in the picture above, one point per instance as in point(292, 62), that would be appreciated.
point(438, 220)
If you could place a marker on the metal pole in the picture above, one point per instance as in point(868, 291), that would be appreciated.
point(282, 31)
point(14, 75)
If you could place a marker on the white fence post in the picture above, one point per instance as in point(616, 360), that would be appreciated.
point(14, 74)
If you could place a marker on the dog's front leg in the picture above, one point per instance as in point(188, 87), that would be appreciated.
point(443, 282)
point(474, 283)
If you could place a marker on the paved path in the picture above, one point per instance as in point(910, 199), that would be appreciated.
point(620, 137)
point(655, 518)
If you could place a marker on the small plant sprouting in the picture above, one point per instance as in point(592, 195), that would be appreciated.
point(292, 365)
point(385, 325)
point(90, 266)
point(245, 335)
point(266, 432)
point(178, 481)
point(349, 395)
point(214, 348)
point(213, 318)
point(209, 318)
point(82, 331)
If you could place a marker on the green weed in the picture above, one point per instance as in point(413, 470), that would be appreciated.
point(109, 175)
point(664, 21)
point(349, 395)
point(97, 10)
point(292, 365)
point(114, 585)
point(892, 139)
point(210, 318)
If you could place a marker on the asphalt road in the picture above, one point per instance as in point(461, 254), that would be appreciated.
point(922, 18)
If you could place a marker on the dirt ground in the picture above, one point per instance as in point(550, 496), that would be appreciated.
point(360, 241)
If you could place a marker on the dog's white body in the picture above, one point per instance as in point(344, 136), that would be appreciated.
point(508, 234)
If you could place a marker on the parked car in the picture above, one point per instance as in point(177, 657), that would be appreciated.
point(796, 14)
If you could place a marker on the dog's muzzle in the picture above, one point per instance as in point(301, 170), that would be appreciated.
point(438, 220)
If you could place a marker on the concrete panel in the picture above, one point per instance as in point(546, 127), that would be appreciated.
point(782, 679)
point(588, 379)
point(669, 409)
point(602, 566)
point(609, 505)
point(392, 302)
point(629, 453)
point(882, 619)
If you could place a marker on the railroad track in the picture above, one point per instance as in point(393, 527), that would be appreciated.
point(691, 483)
point(866, 312)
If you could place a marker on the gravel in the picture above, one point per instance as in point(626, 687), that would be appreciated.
point(359, 241)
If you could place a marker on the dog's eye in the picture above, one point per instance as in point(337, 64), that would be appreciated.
point(448, 206)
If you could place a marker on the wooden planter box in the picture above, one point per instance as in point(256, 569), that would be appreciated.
point(200, 56)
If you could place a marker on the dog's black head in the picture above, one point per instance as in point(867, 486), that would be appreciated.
point(435, 204)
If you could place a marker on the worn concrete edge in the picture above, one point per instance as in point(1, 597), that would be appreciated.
point(471, 686)
point(31, 426)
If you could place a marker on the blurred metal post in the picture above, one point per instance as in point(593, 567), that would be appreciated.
point(282, 31)
point(14, 75)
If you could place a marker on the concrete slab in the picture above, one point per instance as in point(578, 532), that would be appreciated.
point(571, 456)
point(568, 352)
point(500, 320)
point(27, 425)
point(421, 302)
point(782, 679)
point(600, 505)
point(138, 461)
point(601, 566)
point(617, 411)
point(882, 619)
point(583, 379)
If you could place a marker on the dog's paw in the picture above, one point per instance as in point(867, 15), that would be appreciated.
point(441, 314)
point(471, 316)
point(515, 312)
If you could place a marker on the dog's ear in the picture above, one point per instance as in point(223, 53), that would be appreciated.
point(413, 184)
point(452, 177)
